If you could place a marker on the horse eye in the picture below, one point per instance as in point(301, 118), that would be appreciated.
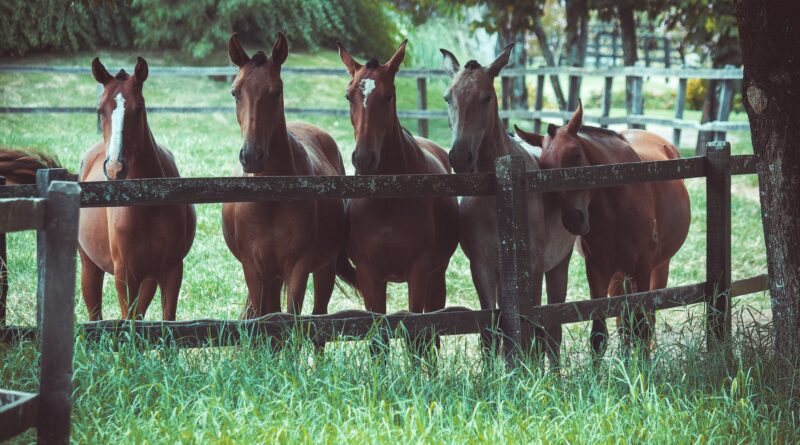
point(389, 97)
point(235, 95)
point(447, 99)
point(348, 97)
point(486, 99)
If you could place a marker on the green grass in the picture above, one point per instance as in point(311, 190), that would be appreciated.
point(239, 395)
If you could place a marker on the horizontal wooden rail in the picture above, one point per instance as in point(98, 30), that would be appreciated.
point(356, 324)
point(618, 71)
point(18, 413)
point(640, 119)
point(21, 214)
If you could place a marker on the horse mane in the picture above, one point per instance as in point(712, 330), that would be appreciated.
point(372, 64)
point(600, 131)
point(122, 75)
point(259, 58)
point(19, 166)
point(472, 65)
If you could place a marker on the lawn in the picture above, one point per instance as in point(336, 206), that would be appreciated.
point(247, 394)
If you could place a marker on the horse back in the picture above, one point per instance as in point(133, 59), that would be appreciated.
point(321, 148)
point(650, 146)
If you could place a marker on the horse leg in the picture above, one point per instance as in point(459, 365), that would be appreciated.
point(373, 290)
point(556, 293)
point(92, 287)
point(324, 280)
point(296, 289)
point(658, 280)
point(170, 285)
point(485, 281)
point(256, 292)
point(437, 295)
point(598, 279)
point(419, 287)
point(146, 292)
point(128, 293)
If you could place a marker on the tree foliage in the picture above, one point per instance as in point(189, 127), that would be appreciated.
point(197, 27)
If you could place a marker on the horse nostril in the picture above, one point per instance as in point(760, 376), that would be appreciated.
point(241, 156)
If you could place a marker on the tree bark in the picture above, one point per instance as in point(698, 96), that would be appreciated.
point(627, 26)
point(576, 43)
point(771, 92)
point(544, 45)
point(515, 93)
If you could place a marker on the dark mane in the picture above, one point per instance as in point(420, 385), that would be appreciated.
point(259, 58)
point(122, 75)
point(472, 65)
point(372, 64)
point(601, 131)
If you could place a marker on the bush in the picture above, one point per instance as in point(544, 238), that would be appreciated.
point(202, 26)
point(198, 27)
point(696, 90)
point(27, 25)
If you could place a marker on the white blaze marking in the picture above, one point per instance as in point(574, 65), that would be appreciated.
point(367, 85)
point(117, 119)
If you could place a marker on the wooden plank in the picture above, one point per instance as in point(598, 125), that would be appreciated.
point(562, 179)
point(607, 98)
point(18, 191)
point(679, 106)
point(422, 104)
point(18, 413)
point(21, 214)
point(3, 268)
point(58, 312)
point(747, 286)
point(517, 277)
point(205, 190)
point(718, 243)
point(538, 103)
point(725, 105)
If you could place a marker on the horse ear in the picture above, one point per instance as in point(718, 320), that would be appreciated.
point(236, 53)
point(576, 121)
point(502, 60)
point(394, 63)
point(451, 64)
point(100, 73)
point(280, 51)
point(551, 130)
point(529, 137)
point(347, 59)
point(141, 71)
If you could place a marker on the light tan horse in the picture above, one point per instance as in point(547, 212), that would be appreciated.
point(281, 242)
point(142, 246)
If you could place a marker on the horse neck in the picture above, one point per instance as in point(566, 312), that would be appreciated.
point(496, 143)
point(286, 156)
point(142, 158)
point(400, 152)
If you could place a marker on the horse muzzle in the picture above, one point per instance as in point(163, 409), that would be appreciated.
point(252, 159)
point(365, 161)
point(576, 221)
point(114, 170)
point(462, 159)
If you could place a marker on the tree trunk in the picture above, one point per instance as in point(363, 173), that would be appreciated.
point(515, 93)
point(544, 45)
point(627, 26)
point(771, 92)
point(576, 43)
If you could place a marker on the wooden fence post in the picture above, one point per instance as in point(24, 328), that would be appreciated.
point(637, 98)
point(504, 89)
point(537, 104)
point(607, 99)
point(57, 284)
point(422, 104)
point(679, 106)
point(667, 52)
point(718, 242)
point(516, 276)
point(43, 179)
point(574, 93)
point(3, 271)
point(725, 105)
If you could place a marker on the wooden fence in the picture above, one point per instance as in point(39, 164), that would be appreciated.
point(516, 314)
point(634, 76)
point(54, 216)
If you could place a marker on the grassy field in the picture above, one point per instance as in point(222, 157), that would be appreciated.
point(247, 394)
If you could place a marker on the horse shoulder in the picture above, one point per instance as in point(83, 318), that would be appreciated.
point(89, 158)
point(434, 154)
point(168, 163)
point(320, 146)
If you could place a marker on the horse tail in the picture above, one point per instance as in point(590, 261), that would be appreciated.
point(345, 269)
point(19, 166)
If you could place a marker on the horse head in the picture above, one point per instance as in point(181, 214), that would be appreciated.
point(121, 111)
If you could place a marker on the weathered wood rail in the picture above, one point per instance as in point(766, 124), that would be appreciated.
point(518, 310)
point(55, 218)
point(634, 77)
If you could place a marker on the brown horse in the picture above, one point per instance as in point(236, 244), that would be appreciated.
point(628, 233)
point(19, 166)
point(478, 140)
point(143, 247)
point(399, 240)
point(279, 242)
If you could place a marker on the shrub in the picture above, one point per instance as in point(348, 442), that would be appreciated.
point(696, 90)
point(27, 25)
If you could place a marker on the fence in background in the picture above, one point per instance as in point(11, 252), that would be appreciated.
point(633, 76)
